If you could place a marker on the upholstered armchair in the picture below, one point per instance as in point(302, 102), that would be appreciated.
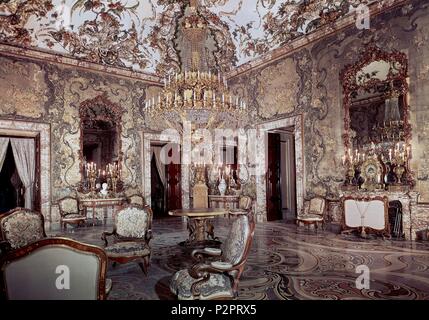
point(313, 213)
point(136, 199)
point(36, 271)
point(131, 233)
point(70, 212)
point(19, 227)
point(244, 206)
point(219, 278)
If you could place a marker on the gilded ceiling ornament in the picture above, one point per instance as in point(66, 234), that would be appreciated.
point(142, 35)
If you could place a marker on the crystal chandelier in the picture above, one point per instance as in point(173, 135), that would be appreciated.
point(198, 96)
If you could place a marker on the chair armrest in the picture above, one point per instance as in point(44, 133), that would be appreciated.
point(199, 254)
point(200, 270)
point(106, 234)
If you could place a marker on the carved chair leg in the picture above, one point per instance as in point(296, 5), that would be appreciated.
point(144, 264)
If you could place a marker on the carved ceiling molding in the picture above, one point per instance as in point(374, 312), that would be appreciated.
point(140, 35)
point(324, 31)
point(44, 56)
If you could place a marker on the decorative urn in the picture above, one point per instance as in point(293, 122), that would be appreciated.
point(222, 186)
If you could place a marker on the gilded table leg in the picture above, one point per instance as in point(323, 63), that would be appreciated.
point(209, 229)
point(199, 225)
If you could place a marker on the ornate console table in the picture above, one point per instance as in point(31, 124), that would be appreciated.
point(101, 203)
point(408, 201)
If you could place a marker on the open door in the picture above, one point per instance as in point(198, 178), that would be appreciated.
point(174, 173)
point(273, 178)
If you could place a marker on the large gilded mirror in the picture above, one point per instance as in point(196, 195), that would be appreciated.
point(377, 131)
point(100, 153)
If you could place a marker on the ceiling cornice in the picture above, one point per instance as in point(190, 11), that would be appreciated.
point(321, 33)
point(40, 55)
point(151, 78)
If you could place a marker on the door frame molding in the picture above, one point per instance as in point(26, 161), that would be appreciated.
point(261, 185)
point(147, 138)
point(43, 130)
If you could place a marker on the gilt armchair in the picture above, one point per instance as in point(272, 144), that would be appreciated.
point(217, 279)
point(131, 234)
point(70, 212)
point(244, 206)
point(313, 213)
point(55, 269)
point(19, 227)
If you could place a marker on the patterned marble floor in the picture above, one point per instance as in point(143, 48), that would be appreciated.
point(285, 262)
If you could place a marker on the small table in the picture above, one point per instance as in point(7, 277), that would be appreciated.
point(200, 227)
point(101, 203)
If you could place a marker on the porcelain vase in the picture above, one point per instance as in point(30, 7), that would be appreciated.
point(222, 187)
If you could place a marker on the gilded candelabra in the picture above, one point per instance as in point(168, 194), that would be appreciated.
point(400, 161)
point(91, 173)
point(114, 173)
point(351, 161)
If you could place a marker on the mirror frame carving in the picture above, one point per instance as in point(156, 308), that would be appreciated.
point(348, 80)
point(116, 111)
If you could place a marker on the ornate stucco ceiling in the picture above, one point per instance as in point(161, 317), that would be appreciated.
point(142, 34)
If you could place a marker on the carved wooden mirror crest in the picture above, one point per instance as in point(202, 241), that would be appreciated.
point(100, 143)
point(376, 117)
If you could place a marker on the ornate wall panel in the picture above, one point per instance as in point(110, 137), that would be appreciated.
point(50, 93)
point(318, 93)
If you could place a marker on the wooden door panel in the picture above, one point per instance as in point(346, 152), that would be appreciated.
point(174, 191)
point(273, 177)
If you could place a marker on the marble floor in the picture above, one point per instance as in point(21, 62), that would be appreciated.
point(285, 262)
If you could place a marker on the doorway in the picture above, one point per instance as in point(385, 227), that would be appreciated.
point(173, 179)
point(158, 182)
point(23, 152)
point(281, 174)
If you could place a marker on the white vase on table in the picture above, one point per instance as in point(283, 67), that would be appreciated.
point(222, 186)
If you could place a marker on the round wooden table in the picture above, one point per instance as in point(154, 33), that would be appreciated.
point(200, 227)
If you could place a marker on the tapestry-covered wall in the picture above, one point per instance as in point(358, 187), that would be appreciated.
point(307, 82)
point(49, 93)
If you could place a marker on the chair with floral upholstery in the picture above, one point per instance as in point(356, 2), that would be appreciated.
point(19, 227)
point(70, 212)
point(217, 279)
point(132, 233)
point(244, 206)
point(35, 271)
point(137, 199)
point(313, 213)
